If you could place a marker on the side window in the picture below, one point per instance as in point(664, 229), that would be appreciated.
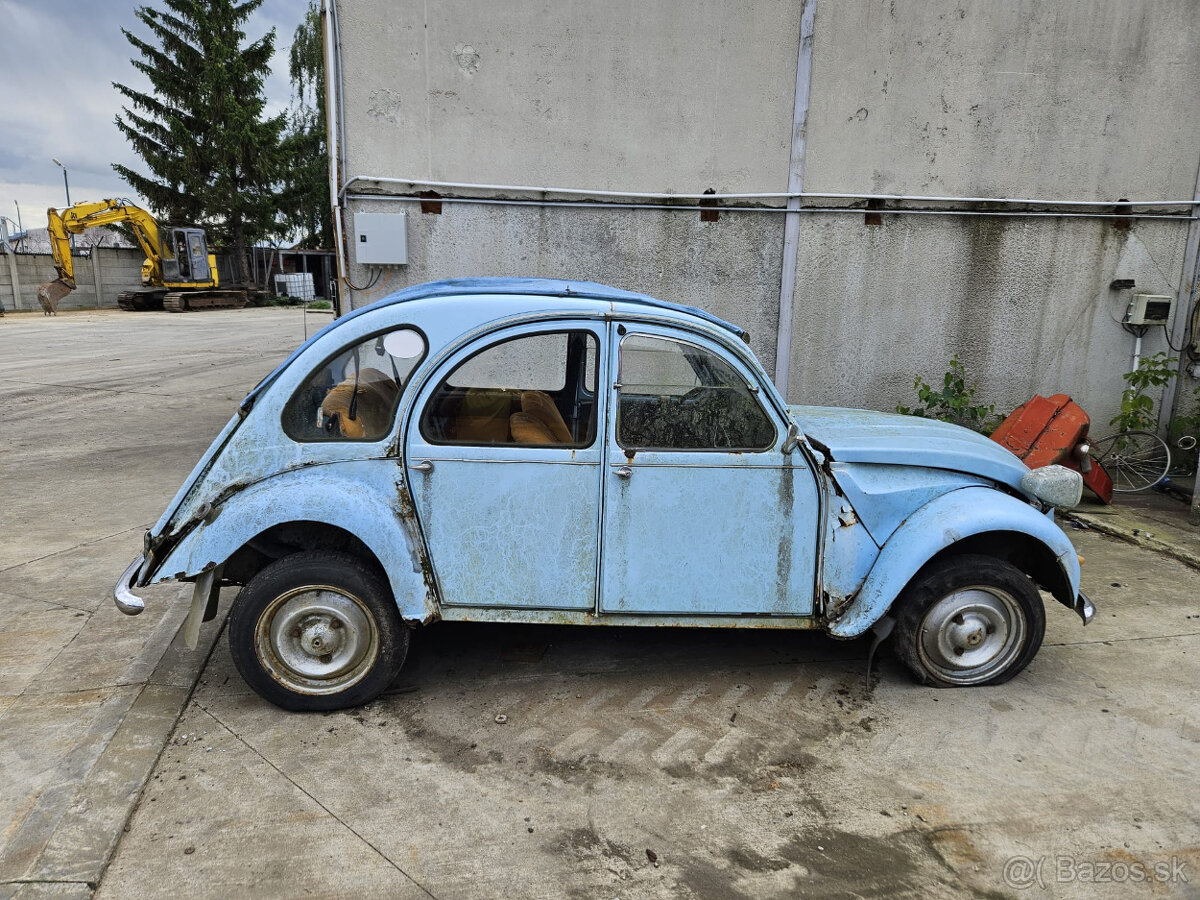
point(537, 389)
point(677, 396)
point(353, 397)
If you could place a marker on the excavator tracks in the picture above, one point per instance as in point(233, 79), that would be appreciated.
point(141, 300)
point(186, 301)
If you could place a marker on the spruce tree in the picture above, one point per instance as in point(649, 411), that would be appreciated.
point(305, 193)
point(213, 157)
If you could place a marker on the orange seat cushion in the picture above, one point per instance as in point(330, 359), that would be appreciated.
point(528, 430)
point(373, 412)
point(542, 408)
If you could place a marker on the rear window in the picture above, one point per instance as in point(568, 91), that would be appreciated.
point(354, 396)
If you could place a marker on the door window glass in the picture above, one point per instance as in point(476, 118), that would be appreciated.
point(527, 390)
point(353, 397)
point(676, 396)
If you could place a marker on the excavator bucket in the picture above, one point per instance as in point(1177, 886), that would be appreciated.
point(50, 293)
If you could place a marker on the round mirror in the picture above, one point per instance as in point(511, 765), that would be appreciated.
point(404, 344)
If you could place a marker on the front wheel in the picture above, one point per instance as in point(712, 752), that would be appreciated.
point(317, 631)
point(969, 620)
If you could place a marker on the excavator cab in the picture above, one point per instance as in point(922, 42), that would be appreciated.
point(184, 255)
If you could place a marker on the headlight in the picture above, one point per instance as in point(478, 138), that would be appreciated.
point(1056, 485)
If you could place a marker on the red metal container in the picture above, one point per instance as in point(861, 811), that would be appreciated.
point(1053, 430)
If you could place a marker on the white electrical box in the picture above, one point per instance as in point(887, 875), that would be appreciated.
point(1149, 309)
point(381, 239)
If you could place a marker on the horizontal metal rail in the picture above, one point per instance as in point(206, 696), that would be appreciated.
point(761, 195)
point(843, 210)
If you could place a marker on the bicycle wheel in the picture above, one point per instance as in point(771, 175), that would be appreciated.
point(1135, 460)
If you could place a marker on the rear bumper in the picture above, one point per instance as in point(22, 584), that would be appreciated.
point(128, 602)
point(1085, 608)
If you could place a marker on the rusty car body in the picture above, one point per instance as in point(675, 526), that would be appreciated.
point(522, 450)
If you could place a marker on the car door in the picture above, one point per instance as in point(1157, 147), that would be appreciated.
point(504, 461)
point(703, 513)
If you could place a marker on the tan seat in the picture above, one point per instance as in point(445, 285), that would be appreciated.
point(372, 414)
point(540, 407)
point(483, 417)
point(528, 430)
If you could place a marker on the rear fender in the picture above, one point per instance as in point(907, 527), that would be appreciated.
point(939, 525)
point(362, 498)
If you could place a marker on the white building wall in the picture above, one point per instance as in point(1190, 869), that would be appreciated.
point(1075, 100)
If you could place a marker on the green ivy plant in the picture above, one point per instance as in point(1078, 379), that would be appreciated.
point(955, 402)
point(1137, 409)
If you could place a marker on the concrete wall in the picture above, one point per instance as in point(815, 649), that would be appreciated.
point(1076, 100)
point(120, 269)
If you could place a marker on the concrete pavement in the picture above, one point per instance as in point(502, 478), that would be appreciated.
point(105, 413)
point(747, 764)
point(630, 762)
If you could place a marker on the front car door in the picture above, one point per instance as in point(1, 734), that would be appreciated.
point(703, 513)
point(504, 462)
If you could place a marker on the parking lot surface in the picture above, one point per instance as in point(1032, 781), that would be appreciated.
point(662, 762)
point(537, 761)
point(104, 415)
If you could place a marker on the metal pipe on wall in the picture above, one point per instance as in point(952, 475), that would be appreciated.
point(791, 226)
point(756, 195)
point(805, 210)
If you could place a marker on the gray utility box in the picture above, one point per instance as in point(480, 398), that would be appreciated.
point(381, 239)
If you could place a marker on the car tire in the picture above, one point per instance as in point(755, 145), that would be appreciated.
point(317, 630)
point(969, 620)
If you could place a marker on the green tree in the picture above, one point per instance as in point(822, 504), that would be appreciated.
point(304, 198)
point(212, 155)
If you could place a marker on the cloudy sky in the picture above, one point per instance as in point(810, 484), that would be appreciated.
point(60, 58)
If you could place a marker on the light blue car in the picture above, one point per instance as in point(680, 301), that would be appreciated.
point(522, 450)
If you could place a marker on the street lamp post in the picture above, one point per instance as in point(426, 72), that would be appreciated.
point(67, 187)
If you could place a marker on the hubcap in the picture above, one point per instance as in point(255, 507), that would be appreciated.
point(317, 640)
point(972, 634)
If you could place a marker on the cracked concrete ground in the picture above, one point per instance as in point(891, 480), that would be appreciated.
point(744, 764)
point(748, 764)
point(105, 413)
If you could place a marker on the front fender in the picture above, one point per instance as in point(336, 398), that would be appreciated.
point(361, 497)
point(942, 523)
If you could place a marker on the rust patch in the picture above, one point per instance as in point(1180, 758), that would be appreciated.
point(431, 203)
point(1121, 220)
point(873, 218)
point(408, 515)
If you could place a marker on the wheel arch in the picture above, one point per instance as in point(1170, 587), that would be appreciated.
point(311, 509)
point(974, 520)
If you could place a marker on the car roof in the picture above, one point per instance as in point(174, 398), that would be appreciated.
point(499, 287)
point(543, 287)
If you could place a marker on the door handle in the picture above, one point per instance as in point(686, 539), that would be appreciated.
point(425, 466)
point(623, 472)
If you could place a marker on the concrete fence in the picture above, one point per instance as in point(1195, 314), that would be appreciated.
point(99, 277)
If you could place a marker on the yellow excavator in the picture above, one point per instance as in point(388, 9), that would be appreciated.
point(178, 273)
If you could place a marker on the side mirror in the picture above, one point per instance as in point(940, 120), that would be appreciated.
point(792, 440)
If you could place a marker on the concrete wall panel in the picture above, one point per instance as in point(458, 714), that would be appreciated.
point(650, 96)
point(1026, 305)
point(729, 267)
point(120, 270)
point(1082, 100)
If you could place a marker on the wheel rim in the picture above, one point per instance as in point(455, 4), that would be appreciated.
point(972, 635)
point(317, 640)
point(1135, 460)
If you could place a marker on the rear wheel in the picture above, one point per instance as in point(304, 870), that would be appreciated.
point(317, 631)
point(969, 620)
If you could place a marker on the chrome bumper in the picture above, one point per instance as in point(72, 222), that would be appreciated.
point(127, 602)
point(1085, 608)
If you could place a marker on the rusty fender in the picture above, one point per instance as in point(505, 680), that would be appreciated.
point(940, 524)
point(359, 497)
